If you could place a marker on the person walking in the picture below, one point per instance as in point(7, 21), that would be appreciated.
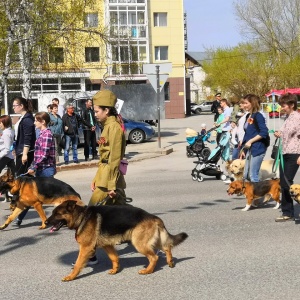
point(108, 185)
point(218, 124)
point(290, 136)
point(56, 127)
point(71, 122)
point(44, 163)
point(88, 116)
point(256, 138)
point(215, 105)
point(24, 135)
point(6, 144)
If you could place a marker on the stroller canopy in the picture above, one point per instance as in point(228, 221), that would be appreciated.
point(222, 149)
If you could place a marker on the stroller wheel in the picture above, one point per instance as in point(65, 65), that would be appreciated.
point(218, 176)
point(194, 178)
point(189, 153)
point(223, 177)
point(200, 178)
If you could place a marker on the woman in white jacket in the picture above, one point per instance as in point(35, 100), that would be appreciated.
point(6, 142)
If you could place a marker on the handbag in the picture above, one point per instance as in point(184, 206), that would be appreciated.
point(123, 166)
point(62, 142)
point(275, 149)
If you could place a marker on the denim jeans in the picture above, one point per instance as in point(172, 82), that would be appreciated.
point(74, 141)
point(286, 179)
point(235, 153)
point(252, 166)
point(47, 172)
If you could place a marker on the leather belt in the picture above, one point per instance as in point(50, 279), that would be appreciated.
point(105, 161)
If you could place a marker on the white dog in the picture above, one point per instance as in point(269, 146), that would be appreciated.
point(236, 167)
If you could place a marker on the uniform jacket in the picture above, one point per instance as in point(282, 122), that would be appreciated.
point(214, 106)
point(111, 149)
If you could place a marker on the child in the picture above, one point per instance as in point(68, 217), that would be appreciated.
point(234, 141)
point(203, 129)
point(219, 120)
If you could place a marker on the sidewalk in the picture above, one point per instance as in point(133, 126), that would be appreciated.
point(172, 139)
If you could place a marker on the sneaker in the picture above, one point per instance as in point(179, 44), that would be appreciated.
point(284, 219)
point(17, 223)
point(76, 161)
point(86, 159)
point(92, 261)
point(66, 162)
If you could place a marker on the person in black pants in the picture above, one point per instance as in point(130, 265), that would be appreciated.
point(25, 139)
point(215, 105)
point(88, 116)
point(289, 164)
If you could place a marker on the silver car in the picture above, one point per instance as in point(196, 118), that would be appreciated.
point(203, 107)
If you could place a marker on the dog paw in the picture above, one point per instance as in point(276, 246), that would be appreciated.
point(246, 208)
point(277, 205)
point(113, 271)
point(67, 278)
point(171, 264)
point(144, 272)
point(3, 226)
point(43, 226)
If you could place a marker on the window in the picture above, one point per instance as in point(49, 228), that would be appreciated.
point(161, 53)
point(56, 55)
point(160, 19)
point(167, 91)
point(92, 54)
point(91, 20)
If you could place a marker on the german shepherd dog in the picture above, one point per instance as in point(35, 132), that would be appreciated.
point(36, 191)
point(106, 226)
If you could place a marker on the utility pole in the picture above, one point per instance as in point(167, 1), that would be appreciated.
point(158, 106)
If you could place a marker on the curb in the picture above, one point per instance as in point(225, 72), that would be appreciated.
point(140, 157)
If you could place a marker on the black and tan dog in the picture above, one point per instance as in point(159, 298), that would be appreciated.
point(36, 191)
point(254, 190)
point(106, 226)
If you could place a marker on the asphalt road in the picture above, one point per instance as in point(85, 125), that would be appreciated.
point(230, 254)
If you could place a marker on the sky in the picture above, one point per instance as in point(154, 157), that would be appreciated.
point(211, 24)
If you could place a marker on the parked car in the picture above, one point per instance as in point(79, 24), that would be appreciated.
point(135, 132)
point(203, 107)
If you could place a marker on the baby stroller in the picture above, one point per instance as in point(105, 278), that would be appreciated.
point(209, 166)
point(197, 144)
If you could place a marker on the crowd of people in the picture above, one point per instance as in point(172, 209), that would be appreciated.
point(250, 140)
point(33, 147)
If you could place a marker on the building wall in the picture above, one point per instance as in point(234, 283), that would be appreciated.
point(172, 36)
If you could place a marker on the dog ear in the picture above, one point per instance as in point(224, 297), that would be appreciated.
point(70, 205)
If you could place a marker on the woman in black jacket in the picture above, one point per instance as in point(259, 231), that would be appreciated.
point(24, 134)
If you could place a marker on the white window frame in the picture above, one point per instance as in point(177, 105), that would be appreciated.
point(160, 19)
point(91, 20)
point(159, 55)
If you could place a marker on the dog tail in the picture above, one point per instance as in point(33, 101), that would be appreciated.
point(178, 238)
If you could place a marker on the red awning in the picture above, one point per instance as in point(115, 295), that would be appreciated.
point(281, 92)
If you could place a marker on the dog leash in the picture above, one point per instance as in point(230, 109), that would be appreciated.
point(126, 199)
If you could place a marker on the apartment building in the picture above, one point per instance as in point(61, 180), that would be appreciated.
point(139, 31)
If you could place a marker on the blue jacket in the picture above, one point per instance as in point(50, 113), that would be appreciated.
point(251, 131)
point(56, 124)
point(26, 134)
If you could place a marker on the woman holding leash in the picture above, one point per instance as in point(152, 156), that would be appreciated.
point(256, 138)
point(290, 136)
point(108, 184)
point(44, 164)
point(24, 134)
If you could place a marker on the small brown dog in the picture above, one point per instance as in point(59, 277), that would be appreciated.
point(254, 190)
point(295, 192)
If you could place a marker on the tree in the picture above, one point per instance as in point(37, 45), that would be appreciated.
point(30, 28)
point(274, 23)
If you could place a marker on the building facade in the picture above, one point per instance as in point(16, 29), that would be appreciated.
point(138, 31)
